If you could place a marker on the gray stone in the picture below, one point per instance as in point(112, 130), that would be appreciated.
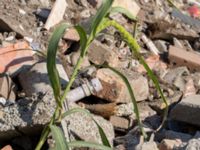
point(193, 144)
point(99, 54)
point(29, 116)
point(187, 110)
point(131, 140)
point(161, 45)
point(172, 74)
point(171, 135)
point(81, 126)
point(36, 79)
point(26, 116)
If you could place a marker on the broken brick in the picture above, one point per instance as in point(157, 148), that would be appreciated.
point(14, 56)
point(180, 57)
point(99, 54)
point(115, 90)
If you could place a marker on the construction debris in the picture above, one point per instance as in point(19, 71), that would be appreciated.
point(15, 56)
point(183, 110)
point(168, 35)
point(56, 14)
point(180, 57)
point(115, 89)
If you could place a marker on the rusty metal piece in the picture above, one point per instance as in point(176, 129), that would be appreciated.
point(180, 57)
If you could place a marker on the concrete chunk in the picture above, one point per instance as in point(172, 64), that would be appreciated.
point(99, 53)
point(188, 110)
point(115, 90)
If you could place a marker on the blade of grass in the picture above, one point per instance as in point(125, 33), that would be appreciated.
point(51, 61)
point(88, 144)
point(135, 48)
point(58, 136)
point(134, 102)
point(101, 13)
point(96, 21)
point(101, 132)
point(83, 47)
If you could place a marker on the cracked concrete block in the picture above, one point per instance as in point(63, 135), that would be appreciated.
point(26, 116)
point(187, 110)
point(81, 126)
point(29, 116)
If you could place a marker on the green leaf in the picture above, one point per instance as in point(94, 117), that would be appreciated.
point(83, 46)
point(124, 12)
point(51, 61)
point(135, 48)
point(88, 144)
point(83, 39)
point(101, 132)
point(58, 136)
point(130, 90)
point(101, 13)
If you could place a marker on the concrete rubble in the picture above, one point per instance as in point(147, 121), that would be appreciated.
point(116, 88)
point(169, 42)
point(189, 105)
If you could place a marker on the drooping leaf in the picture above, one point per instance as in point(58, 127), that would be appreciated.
point(88, 144)
point(101, 132)
point(58, 136)
point(134, 102)
point(51, 61)
point(83, 49)
point(123, 11)
point(83, 39)
point(101, 13)
point(135, 49)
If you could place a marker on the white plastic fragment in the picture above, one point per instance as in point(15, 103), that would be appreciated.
point(150, 45)
point(2, 101)
point(56, 14)
point(84, 90)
